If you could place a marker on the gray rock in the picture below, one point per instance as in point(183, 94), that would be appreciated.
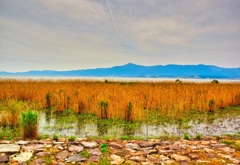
point(58, 143)
point(147, 163)
point(89, 144)
point(4, 158)
point(76, 158)
point(132, 146)
point(74, 148)
point(166, 152)
point(152, 158)
point(115, 159)
point(149, 151)
point(62, 155)
point(208, 150)
point(39, 161)
point(194, 156)
point(163, 158)
point(147, 144)
point(42, 154)
point(218, 145)
point(121, 153)
point(115, 145)
point(94, 158)
point(180, 158)
point(96, 152)
point(203, 161)
point(11, 148)
point(60, 147)
point(21, 142)
point(34, 147)
point(137, 159)
point(5, 142)
point(22, 157)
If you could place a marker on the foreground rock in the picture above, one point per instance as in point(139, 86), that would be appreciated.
point(135, 152)
point(5, 148)
point(22, 157)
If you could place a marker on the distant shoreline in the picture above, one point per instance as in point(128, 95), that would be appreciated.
point(119, 79)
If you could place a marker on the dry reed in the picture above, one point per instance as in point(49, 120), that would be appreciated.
point(130, 101)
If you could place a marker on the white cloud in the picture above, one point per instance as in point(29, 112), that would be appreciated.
point(94, 33)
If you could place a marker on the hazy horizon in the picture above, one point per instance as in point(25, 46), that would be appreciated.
point(115, 66)
point(85, 34)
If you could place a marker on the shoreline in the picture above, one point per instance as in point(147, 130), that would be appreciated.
point(209, 150)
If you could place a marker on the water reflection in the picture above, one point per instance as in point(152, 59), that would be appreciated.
point(67, 124)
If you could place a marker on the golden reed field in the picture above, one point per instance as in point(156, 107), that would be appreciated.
point(124, 100)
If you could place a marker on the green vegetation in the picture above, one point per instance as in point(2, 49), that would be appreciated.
point(9, 132)
point(228, 141)
point(198, 136)
point(211, 105)
point(48, 101)
point(128, 115)
point(30, 125)
point(125, 137)
point(178, 81)
point(186, 136)
point(104, 160)
point(72, 138)
point(55, 137)
point(43, 136)
point(107, 128)
point(85, 153)
point(104, 148)
point(103, 107)
point(48, 160)
point(237, 146)
point(215, 81)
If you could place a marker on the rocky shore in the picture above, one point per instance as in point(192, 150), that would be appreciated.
point(144, 152)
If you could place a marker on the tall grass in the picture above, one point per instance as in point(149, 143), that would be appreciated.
point(30, 125)
point(130, 101)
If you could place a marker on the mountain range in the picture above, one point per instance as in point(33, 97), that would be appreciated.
point(134, 70)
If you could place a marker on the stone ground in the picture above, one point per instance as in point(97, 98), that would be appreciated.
point(144, 152)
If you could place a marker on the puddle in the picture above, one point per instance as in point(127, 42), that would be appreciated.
point(72, 125)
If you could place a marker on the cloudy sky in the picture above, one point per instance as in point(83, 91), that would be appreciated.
point(79, 34)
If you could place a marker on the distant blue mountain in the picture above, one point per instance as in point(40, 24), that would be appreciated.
point(133, 70)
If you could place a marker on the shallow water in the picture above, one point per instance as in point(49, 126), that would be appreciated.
point(120, 79)
point(91, 128)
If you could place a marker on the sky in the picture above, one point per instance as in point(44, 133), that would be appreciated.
point(81, 34)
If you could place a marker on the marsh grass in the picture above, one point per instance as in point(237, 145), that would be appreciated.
point(29, 125)
point(9, 132)
point(121, 100)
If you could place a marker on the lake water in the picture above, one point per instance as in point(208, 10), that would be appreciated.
point(91, 128)
point(121, 79)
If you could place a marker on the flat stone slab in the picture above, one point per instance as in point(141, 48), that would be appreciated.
point(75, 158)
point(34, 147)
point(21, 142)
point(5, 142)
point(9, 148)
point(4, 158)
point(62, 155)
point(115, 145)
point(133, 146)
point(89, 144)
point(22, 157)
point(74, 148)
